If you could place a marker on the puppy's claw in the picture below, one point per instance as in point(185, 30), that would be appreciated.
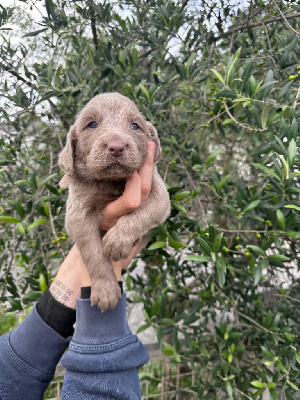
point(105, 294)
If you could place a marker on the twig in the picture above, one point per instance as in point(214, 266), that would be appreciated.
point(240, 124)
point(257, 324)
point(287, 297)
point(246, 25)
point(93, 26)
point(285, 20)
point(193, 187)
point(297, 96)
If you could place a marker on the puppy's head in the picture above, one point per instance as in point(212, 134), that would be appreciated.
point(108, 140)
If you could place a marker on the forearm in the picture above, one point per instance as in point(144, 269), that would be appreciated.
point(28, 357)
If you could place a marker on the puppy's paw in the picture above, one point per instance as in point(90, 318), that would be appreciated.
point(105, 293)
point(117, 245)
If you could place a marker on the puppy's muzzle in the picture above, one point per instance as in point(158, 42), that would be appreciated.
point(116, 148)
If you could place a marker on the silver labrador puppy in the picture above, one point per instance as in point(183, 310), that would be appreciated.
point(107, 144)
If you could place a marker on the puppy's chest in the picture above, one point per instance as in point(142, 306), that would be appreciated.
point(93, 198)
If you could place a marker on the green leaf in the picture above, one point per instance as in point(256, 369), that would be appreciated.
point(175, 244)
point(36, 223)
point(229, 388)
point(258, 384)
point(278, 257)
point(217, 74)
point(182, 195)
point(204, 246)
point(220, 277)
point(168, 349)
point(35, 33)
point(292, 206)
point(292, 151)
point(251, 206)
point(292, 385)
point(21, 229)
point(199, 259)
point(280, 219)
point(274, 394)
point(157, 245)
point(241, 99)
point(217, 243)
point(42, 282)
point(264, 115)
point(166, 321)
point(267, 352)
point(281, 366)
point(23, 182)
point(271, 385)
point(48, 179)
point(264, 87)
point(222, 183)
point(288, 336)
point(178, 206)
point(267, 170)
point(204, 352)
point(246, 74)
point(145, 91)
point(8, 219)
point(230, 94)
point(143, 328)
point(212, 156)
point(258, 250)
point(16, 304)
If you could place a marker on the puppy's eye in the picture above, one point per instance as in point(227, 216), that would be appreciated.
point(93, 125)
point(135, 126)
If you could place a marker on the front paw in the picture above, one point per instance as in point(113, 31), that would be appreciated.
point(105, 293)
point(117, 245)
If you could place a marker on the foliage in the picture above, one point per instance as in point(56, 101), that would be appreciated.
point(221, 84)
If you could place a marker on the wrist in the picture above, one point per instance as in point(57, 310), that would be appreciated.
point(66, 286)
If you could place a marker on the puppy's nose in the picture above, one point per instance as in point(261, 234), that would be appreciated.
point(116, 148)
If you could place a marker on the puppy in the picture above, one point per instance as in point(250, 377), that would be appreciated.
point(107, 144)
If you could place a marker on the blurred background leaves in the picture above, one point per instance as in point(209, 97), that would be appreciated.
point(220, 81)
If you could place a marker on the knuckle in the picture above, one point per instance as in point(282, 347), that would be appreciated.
point(132, 204)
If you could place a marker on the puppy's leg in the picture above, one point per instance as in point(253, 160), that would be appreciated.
point(105, 288)
point(118, 241)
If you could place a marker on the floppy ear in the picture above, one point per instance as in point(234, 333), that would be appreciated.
point(152, 135)
point(66, 157)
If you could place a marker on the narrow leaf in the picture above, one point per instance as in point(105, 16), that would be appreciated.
point(199, 259)
point(264, 115)
point(37, 223)
point(217, 74)
point(292, 151)
point(8, 219)
point(157, 245)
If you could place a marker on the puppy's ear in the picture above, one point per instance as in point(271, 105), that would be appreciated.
point(152, 135)
point(66, 157)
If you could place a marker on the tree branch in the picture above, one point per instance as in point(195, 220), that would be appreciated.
point(246, 25)
point(93, 26)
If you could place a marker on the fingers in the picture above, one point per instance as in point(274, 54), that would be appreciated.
point(146, 172)
point(129, 201)
point(137, 190)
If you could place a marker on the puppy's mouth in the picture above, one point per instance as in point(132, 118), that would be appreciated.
point(114, 170)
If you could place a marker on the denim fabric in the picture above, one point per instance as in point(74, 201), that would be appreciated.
point(102, 361)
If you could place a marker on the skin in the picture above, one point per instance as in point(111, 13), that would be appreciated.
point(72, 274)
